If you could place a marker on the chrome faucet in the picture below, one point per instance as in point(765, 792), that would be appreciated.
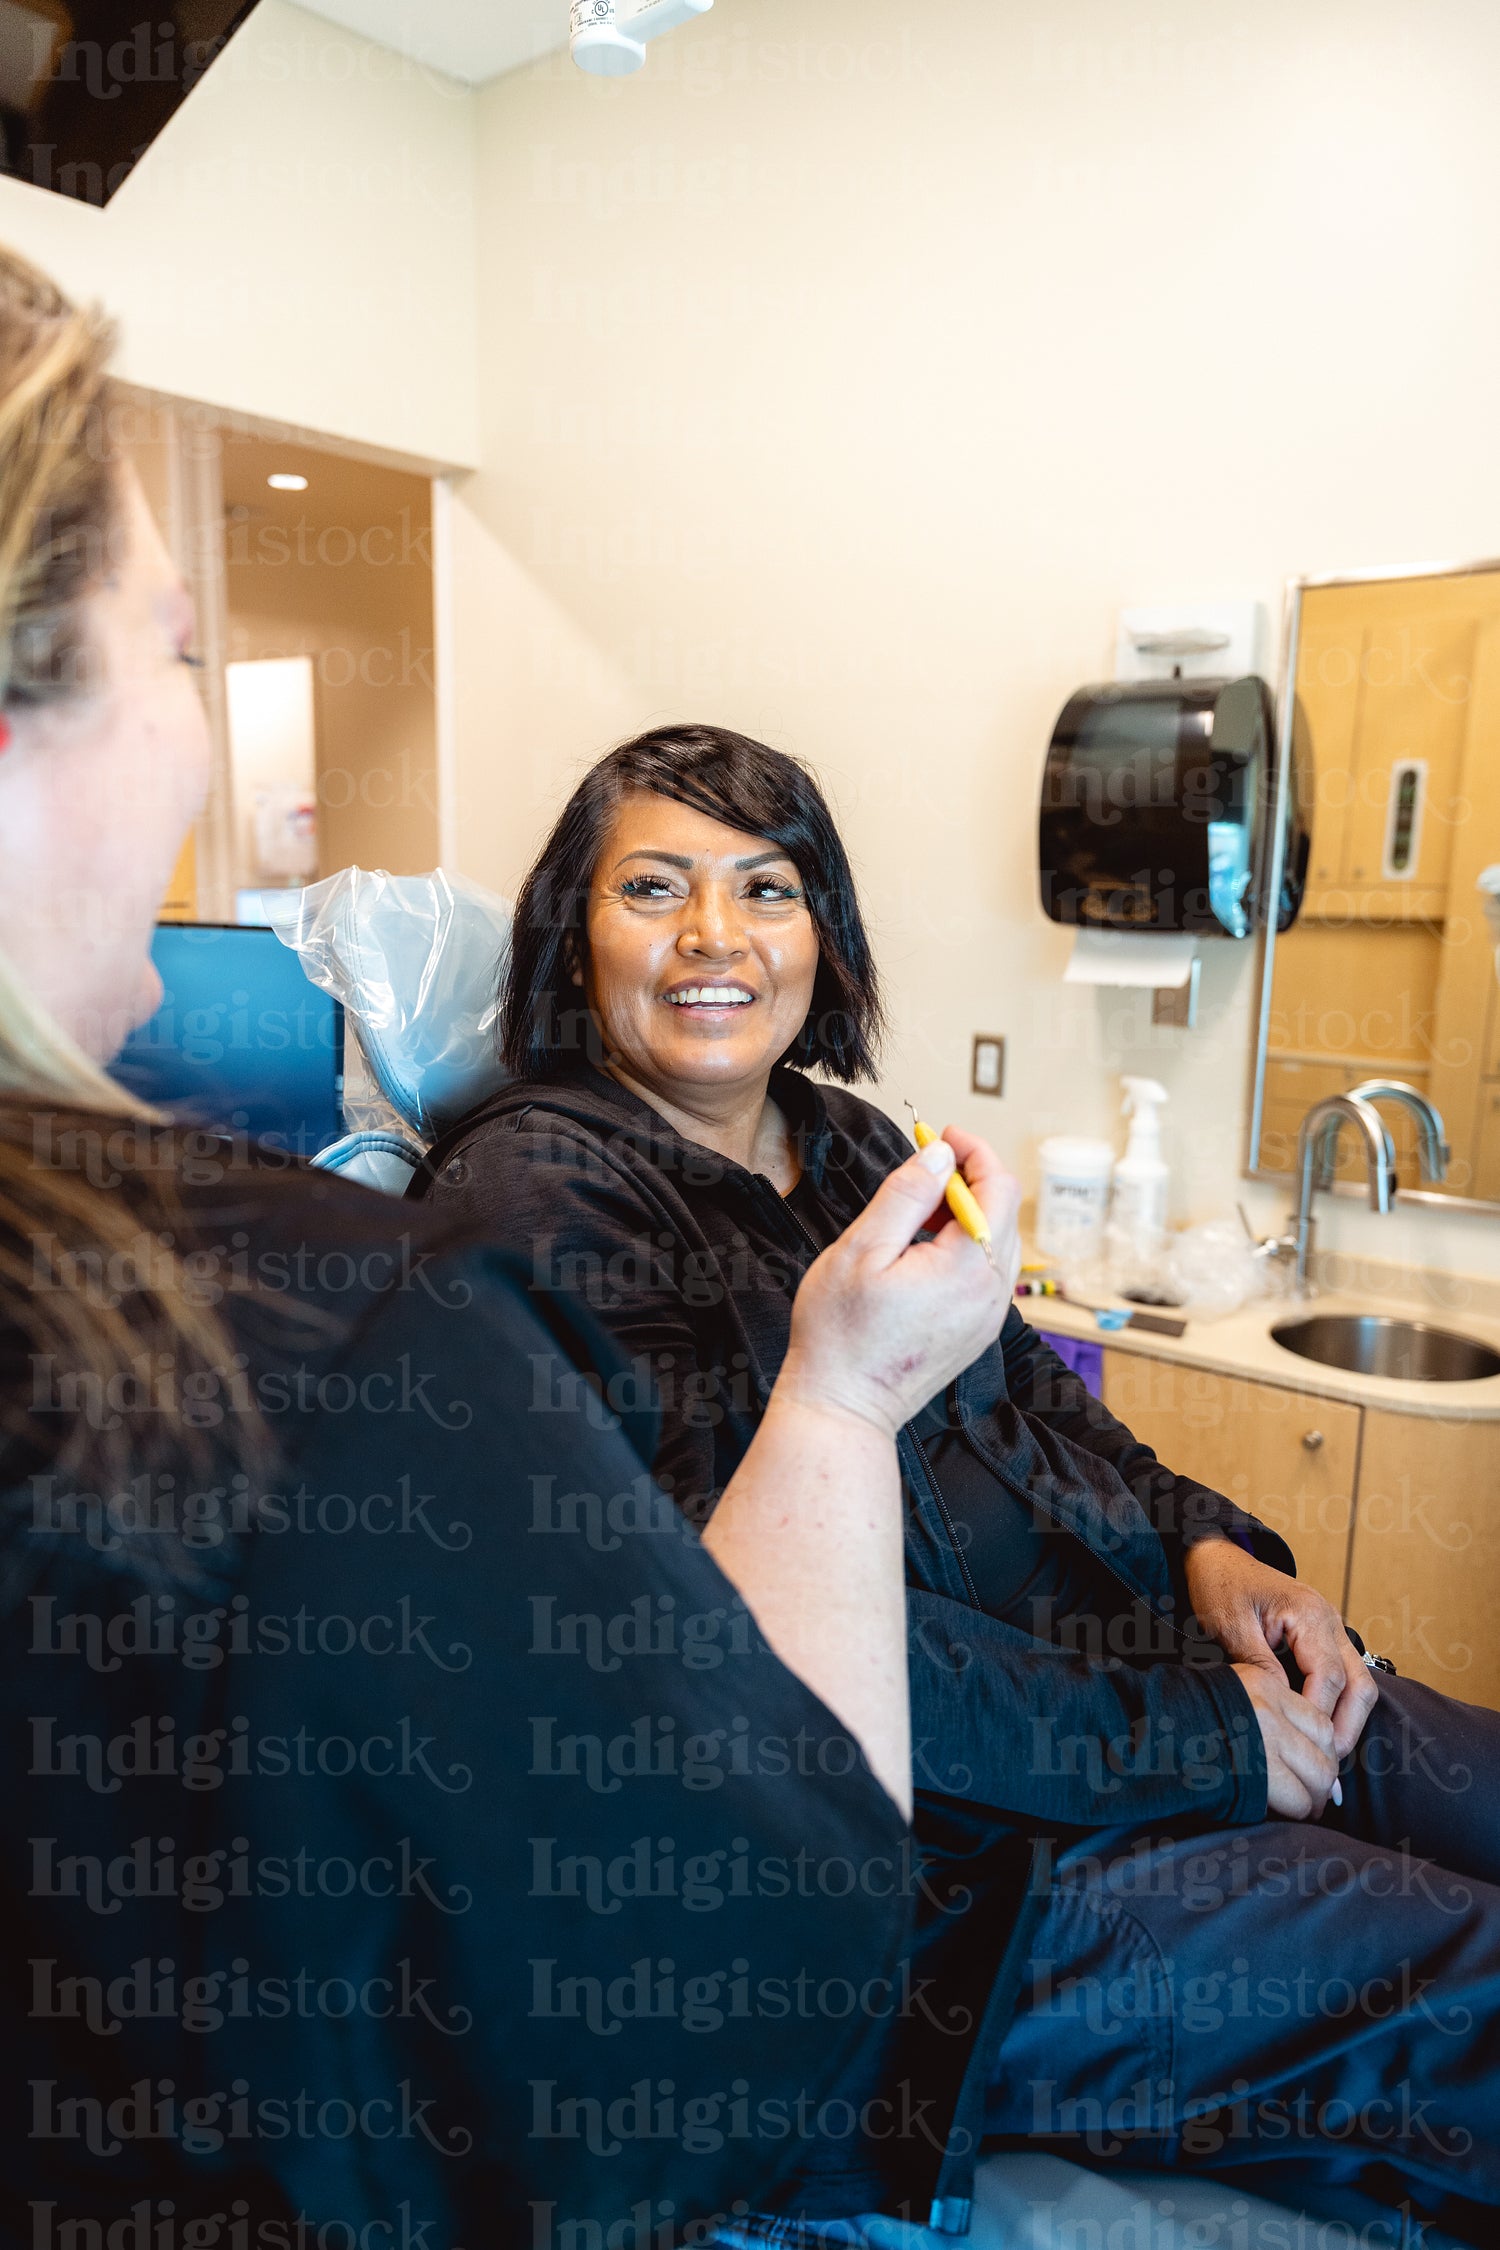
point(1435, 1151)
point(1317, 1144)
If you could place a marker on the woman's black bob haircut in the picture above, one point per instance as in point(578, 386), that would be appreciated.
point(544, 1023)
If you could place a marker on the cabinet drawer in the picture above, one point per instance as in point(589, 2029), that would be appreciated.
point(1283, 1456)
point(1424, 1580)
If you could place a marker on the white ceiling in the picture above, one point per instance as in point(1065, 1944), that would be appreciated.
point(468, 39)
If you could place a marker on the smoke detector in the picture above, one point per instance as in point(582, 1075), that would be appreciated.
point(608, 37)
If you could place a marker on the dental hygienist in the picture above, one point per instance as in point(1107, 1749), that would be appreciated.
point(397, 1799)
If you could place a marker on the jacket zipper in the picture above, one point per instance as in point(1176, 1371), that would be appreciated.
point(789, 1215)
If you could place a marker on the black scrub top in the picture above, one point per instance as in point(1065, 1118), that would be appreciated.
point(419, 1844)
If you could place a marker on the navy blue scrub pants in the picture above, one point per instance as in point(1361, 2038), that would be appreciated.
point(1294, 2002)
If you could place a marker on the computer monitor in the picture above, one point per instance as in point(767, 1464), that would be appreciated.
point(242, 1039)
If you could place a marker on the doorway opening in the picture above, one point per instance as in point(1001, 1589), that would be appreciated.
point(313, 573)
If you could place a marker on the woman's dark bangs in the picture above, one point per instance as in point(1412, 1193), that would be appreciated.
point(738, 791)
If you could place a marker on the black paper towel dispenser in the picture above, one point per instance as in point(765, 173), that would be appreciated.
point(1156, 810)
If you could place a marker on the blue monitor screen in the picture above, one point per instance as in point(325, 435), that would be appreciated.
point(241, 1040)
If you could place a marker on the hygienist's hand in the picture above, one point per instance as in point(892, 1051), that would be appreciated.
point(1252, 1610)
point(882, 1322)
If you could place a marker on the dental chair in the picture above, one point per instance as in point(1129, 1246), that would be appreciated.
point(416, 962)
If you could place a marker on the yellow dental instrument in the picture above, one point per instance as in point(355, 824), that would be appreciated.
point(960, 1197)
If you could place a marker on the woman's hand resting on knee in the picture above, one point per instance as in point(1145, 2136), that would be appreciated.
point(1252, 1611)
point(1301, 1767)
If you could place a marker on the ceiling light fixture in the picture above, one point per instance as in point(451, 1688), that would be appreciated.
point(287, 480)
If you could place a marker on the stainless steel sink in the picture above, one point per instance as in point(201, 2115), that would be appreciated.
point(1373, 1344)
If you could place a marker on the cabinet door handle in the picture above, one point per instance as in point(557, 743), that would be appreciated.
point(1312, 1439)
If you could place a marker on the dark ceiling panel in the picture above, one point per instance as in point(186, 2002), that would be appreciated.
point(86, 85)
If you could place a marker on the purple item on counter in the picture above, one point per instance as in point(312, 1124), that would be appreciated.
point(1086, 1360)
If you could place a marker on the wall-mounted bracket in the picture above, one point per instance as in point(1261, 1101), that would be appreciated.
point(1177, 1004)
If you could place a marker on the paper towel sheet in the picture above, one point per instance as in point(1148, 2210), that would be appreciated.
point(1160, 959)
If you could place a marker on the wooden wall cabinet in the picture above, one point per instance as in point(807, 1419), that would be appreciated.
point(1424, 1575)
point(1395, 1517)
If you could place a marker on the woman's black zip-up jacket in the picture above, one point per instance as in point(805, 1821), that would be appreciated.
point(692, 1262)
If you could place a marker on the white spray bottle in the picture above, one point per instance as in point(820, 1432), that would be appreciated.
point(1138, 1205)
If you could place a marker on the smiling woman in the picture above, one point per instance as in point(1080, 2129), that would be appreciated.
point(699, 971)
point(696, 897)
point(687, 949)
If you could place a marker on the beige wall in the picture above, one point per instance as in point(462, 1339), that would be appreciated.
point(297, 244)
point(842, 375)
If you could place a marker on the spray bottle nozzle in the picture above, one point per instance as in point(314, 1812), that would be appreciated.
point(1142, 1095)
point(1145, 1099)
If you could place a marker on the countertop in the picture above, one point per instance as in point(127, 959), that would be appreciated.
point(1241, 1344)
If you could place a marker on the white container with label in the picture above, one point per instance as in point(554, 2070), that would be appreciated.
point(1072, 1202)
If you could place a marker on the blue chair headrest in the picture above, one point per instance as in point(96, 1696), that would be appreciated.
point(416, 961)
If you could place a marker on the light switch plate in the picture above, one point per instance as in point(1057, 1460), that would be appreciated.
point(987, 1071)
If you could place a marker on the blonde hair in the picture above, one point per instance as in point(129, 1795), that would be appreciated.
point(66, 1240)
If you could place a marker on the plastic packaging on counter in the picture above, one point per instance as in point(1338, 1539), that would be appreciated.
point(1212, 1269)
point(416, 961)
